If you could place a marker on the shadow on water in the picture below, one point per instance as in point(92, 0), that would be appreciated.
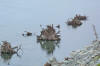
point(6, 58)
point(49, 46)
point(75, 26)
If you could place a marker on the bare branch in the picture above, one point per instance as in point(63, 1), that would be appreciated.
point(95, 33)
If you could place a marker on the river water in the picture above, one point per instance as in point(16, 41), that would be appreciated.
point(17, 16)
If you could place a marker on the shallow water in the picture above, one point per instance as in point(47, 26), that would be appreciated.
point(17, 16)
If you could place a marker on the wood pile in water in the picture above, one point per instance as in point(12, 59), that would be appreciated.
point(49, 33)
point(76, 21)
point(6, 48)
point(79, 17)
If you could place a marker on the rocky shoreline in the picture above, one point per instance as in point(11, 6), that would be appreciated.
point(88, 56)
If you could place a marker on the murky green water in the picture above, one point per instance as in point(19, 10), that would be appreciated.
point(17, 16)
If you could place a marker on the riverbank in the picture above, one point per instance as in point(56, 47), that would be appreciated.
point(88, 56)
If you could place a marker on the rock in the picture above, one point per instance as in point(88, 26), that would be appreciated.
point(47, 64)
point(29, 34)
point(89, 56)
point(58, 26)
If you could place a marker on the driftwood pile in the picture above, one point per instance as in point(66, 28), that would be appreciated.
point(7, 49)
point(76, 21)
point(79, 17)
point(49, 34)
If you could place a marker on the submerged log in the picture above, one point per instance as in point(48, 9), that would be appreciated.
point(6, 48)
point(49, 34)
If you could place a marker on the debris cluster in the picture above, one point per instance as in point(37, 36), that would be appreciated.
point(76, 21)
point(79, 17)
point(6, 48)
point(49, 33)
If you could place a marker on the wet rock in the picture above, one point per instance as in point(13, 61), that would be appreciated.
point(49, 33)
point(89, 56)
point(47, 64)
point(54, 62)
point(58, 26)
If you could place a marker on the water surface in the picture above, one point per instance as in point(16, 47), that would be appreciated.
point(17, 16)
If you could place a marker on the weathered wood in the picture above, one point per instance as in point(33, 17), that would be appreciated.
point(76, 21)
point(79, 17)
point(95, 33)
point(7, 49)
point(49, 34)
